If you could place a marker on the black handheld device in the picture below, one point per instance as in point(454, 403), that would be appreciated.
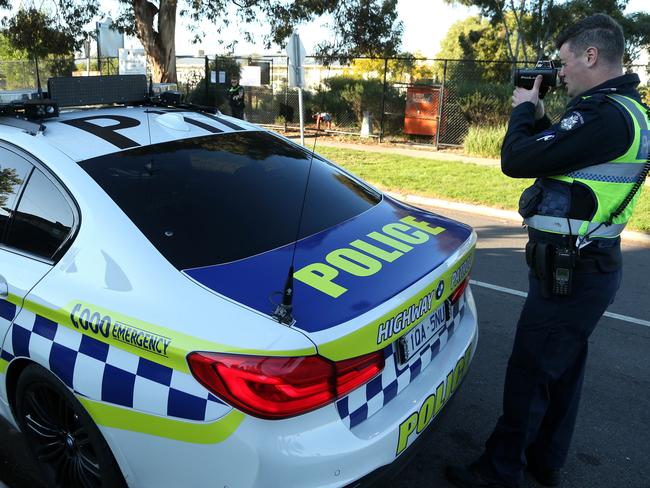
point(525, 77)
point(563, 264)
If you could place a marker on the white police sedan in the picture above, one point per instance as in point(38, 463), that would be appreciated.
point(190, 300)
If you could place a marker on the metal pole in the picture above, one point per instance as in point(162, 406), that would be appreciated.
point(216, 79)
point(286, 97)
point(383, 102)
point(299, 82)
point(441, 98)
point(207, 79)
point(302, 117)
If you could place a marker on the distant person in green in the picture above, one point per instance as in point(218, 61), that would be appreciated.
point(236, 98)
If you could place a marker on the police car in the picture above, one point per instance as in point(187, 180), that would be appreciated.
point(188, 299)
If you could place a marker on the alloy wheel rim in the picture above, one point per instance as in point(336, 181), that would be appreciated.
point(61, 441)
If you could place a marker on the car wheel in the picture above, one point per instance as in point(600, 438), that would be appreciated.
point(61, 434)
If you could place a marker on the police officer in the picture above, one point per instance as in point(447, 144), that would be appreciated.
point(589, 168)
point(236, 98)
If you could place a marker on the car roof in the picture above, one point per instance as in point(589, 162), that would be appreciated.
point(88, 133)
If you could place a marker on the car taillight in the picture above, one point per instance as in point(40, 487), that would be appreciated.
point(458, 292)
point(281, 387)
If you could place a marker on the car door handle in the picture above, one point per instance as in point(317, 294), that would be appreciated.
point(4, 287)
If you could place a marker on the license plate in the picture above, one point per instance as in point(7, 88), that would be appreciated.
point(421, 334)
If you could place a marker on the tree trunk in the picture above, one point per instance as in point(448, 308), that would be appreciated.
point(160, 46)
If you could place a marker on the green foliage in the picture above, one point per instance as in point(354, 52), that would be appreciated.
point(406, 68)
point(645, 94)
point(347, 97)
point(485, 141)
point(538, 22)
point(474, 38)
point(41, 33)
point(9, 180)
point(359, 27)
point(21, 74)
point(30, 30)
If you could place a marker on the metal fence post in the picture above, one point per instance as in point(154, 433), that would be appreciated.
point(286, 97)
point(207, 78)
point(383, 103)
point(216, 79)
point(441, 100)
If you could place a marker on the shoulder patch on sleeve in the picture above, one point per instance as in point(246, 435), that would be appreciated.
point(571, 121)
point(547, 135)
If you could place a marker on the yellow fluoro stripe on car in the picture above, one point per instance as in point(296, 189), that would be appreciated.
point(158, 344)
point(3, 366)
point(373, 336)
point(133, 421)
point(14, 300)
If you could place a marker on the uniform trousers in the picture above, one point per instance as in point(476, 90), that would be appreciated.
point(544, 377)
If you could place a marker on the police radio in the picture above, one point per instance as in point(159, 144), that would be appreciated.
point(525, 77)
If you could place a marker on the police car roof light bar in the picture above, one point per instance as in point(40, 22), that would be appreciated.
point(98, 90)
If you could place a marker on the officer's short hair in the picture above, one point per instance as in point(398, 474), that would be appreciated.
point(599, 31)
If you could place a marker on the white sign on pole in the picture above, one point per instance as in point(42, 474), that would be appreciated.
point(222, 77)
point(132, 62)
point(250, 76)
point(296, 53)
point(109, 40)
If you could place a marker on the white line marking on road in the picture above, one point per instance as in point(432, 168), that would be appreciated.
point(523, 294)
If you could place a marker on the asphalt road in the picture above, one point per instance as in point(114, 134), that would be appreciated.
point(612, 442)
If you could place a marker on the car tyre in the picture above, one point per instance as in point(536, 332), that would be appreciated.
point(64, 439)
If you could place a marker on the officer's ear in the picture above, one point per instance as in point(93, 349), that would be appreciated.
point(591, 56)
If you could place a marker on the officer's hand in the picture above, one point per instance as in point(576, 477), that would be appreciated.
point(521, 95)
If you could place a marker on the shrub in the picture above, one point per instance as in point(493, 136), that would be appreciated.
point(347, 97)
point(485, 141)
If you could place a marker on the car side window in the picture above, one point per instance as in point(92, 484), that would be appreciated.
point(14, 171)
point(43, 219)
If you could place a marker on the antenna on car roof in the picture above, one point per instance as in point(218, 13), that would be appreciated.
point(284, 311)
point(38, 80)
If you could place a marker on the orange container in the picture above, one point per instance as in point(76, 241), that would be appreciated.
point(421, 114)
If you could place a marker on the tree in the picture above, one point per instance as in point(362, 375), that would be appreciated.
point(476, 39)
point(54, 28)
point(405, 67)
point(155, 24)
point(539, 21)
point(36, 35)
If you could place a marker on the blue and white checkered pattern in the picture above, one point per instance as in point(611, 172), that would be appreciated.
point(364, 402)
point(103, 372)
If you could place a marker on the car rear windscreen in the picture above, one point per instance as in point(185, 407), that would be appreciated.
point(225, 197)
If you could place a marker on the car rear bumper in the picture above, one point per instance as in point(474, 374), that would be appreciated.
point(316, 449)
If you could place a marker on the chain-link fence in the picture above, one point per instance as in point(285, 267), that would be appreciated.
point(432, 101)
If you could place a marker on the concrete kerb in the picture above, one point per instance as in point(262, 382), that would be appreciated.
point(508, 215)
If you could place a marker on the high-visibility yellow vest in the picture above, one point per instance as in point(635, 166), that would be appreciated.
point(610, 183)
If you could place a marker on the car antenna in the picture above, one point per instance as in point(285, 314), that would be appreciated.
point(284, 311)
point(38, 80)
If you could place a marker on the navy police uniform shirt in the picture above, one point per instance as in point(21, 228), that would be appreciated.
point(592, 130)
